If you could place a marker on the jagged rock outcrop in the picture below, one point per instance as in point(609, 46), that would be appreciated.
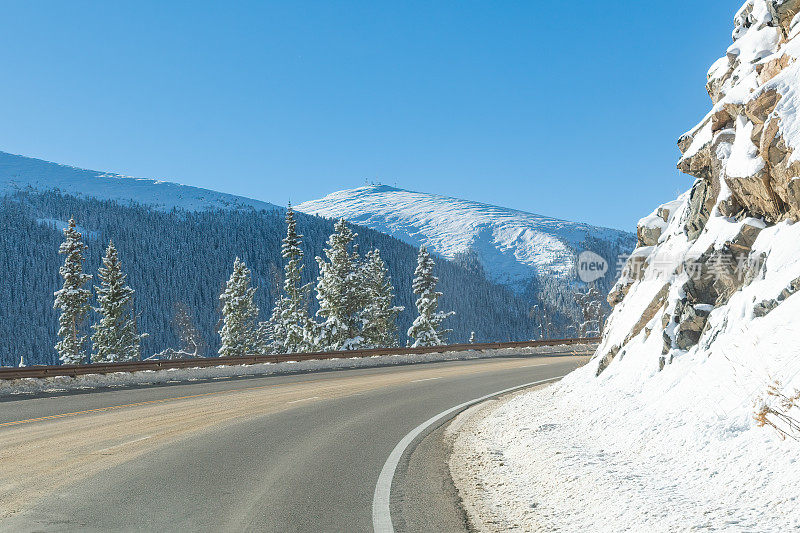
point(699, 252)
point(764, 307)
point(746, 87)
point(692, 322)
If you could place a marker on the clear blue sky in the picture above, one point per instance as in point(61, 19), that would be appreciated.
point(569, 109)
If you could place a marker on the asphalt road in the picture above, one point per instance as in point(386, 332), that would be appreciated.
point(277, 453)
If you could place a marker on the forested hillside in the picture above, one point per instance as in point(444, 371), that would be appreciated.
point(182, 257)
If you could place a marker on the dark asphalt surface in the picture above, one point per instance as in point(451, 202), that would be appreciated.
point(310, 468)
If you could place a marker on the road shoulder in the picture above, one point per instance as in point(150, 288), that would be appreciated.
point(464, 466)
point(424, 497)
point(435, 489)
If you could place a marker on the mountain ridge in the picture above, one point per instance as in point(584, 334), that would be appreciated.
point(21, 173)
point(513, 246)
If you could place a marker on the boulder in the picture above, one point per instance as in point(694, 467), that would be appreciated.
point(757, 196)
point(717, 274)
point(760, 107)
point(772, 192)
point(693, 321)
point(783, 11)
point(744, 240)
point(648, 235)
point(618, 293)
point(649, 230)
point(667, 343)
point(700, 204)
point(719, 73)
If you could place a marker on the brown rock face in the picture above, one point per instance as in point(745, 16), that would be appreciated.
point(783, 11)
point(691, 328)
point(648, 235)
point(772, 192)
point(617, 294)
point(606, 360)
point(701, 201)
point(743, 171)
point(652, 309)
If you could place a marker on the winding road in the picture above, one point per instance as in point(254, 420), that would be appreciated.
point(278, 453)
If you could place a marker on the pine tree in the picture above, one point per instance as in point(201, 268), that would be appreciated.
point(72, 299)
point(262, 340)
point(290, 324)
point(339, 293)
point(427, 327)
point(590, 303)
point(379, 316)
point(115, 337)
point(239, 314)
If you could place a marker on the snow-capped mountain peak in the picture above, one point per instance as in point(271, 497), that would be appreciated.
point(513, 246)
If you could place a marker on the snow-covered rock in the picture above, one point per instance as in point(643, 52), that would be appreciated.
point(681, 419)
point(715, 253)
point(19, 173)
point(512, 246)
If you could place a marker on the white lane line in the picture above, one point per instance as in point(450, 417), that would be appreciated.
point(426, 379)
point(304, 399)
point(381, 514)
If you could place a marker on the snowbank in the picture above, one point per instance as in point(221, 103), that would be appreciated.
point(638, 449)
point(151, 377)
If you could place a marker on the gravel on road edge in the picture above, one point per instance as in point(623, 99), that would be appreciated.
point(464, 465)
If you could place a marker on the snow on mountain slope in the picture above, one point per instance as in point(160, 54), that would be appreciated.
point(513, 246)
point(19, 173)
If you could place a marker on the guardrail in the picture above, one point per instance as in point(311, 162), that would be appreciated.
point(136, 366)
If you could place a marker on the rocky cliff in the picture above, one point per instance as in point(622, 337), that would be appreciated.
point(713, 264)
point(688, 417)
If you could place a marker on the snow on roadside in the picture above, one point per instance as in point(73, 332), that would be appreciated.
point(677, 451)
point(27, 386)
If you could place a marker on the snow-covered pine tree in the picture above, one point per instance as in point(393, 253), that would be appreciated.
point(427, 327)
point(590, 302)
point(262, 343)
point(115, 336)
point(290, 324)
point(239, 314)
point(72, 299)
point(339, 293)
point(379, 316)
